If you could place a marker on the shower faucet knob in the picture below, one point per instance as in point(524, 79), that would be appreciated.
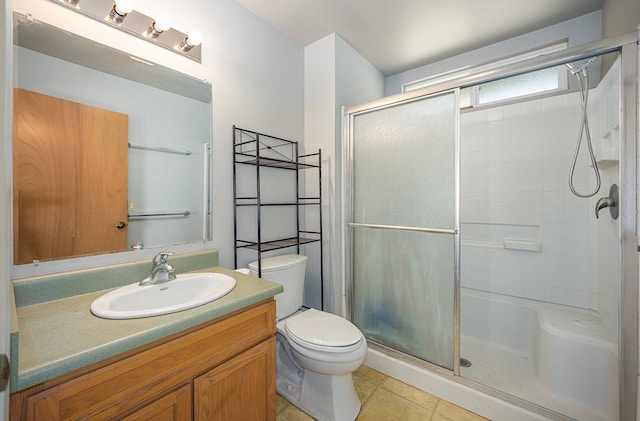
point(610, 202)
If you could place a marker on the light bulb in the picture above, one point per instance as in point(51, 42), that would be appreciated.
point(157, 27)
point(194, 38)
point(119, 11)
point(124, 6)
point(161, 23)
point(191, 40)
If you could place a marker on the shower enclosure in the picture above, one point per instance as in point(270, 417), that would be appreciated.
point(467, 251)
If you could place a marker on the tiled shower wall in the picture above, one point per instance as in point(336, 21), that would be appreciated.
point(515, 162)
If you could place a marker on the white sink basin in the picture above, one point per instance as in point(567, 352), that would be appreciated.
point(186, 291)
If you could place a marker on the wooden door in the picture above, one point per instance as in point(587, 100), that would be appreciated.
point(69, 178)
point(243, 388)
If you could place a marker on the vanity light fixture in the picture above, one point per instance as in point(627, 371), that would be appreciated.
point(139, 60)
point(121, 14)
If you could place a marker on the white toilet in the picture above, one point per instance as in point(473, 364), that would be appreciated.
point(316, 351)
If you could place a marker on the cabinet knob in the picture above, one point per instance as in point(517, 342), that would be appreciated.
point(121, 225)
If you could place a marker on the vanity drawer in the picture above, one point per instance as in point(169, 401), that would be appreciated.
point(137, 378)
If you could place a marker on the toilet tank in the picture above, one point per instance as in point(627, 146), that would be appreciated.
point(289, 271)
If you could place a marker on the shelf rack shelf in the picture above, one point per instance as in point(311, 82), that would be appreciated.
point(260, 150)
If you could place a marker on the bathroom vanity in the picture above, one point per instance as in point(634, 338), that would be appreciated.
point(216, 361)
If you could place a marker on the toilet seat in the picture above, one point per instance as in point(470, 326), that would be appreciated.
point(322, 331)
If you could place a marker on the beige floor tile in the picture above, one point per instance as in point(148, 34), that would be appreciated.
point(386, 406)
point(364, 388)
point(369, 374)
point(449, 411)
point(291, 413)
point(410, 393)
point(281, 404)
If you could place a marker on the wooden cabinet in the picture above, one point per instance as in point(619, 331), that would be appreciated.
point(223, 392)
point(174, 406)
point(226, 366)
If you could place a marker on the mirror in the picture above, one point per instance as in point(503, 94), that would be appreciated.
point(95, 128)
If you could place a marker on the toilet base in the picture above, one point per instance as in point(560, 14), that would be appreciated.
point(324, 397)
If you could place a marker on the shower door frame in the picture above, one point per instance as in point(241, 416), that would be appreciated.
point(627, 46)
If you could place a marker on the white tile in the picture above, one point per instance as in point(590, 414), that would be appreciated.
point(533, 184)
point(495, 113)
point(578, 265)
point(475, 143)
point(577, 215)
point(553, 231)
point(555, 166)
point(532, 108)
point(532, 215)
point(554, 183)
point(555, 295)
point(553, 199)
point(495, 128)
point(578, 282)
point(530, 169)
point(505, 214)
point(473, 158)
point(496, 184)
point(578, 249)
point(553, 215)
point(578, 299)
point(515, 286)
point(534, 291)
point(532, 199)
point(513, 184)
point(557, 247)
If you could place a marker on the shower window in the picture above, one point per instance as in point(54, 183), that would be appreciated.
point(516, 87)
point(542, 81)
point(521, 86)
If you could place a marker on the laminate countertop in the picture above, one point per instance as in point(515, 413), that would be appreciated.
point(56, 337)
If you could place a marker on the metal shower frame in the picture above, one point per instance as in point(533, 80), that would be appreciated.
point(627, 46)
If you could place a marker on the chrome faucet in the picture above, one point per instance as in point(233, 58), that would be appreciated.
point(161, 271)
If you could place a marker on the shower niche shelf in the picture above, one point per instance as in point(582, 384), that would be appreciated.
point(609, 153)
point(257, 151)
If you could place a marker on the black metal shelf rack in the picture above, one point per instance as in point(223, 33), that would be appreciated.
point(255, 149)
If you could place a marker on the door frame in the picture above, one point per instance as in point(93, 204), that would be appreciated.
point(6, 215)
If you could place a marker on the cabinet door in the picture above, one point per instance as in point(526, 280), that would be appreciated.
point(243, 388)
point(174, 406)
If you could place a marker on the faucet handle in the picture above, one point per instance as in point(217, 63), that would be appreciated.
point(161, 258)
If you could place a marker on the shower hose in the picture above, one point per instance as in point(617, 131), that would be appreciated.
point(583, 80)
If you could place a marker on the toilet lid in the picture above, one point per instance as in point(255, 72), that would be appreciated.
point(322, 329)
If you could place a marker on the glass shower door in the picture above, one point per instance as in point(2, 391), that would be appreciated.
point(404, 226)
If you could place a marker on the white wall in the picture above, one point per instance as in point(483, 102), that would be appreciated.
point(257, 78)
point(335, 75)
point(620, 17)
point(576, 31)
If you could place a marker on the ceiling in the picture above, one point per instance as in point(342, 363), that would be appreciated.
point(398, 35)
